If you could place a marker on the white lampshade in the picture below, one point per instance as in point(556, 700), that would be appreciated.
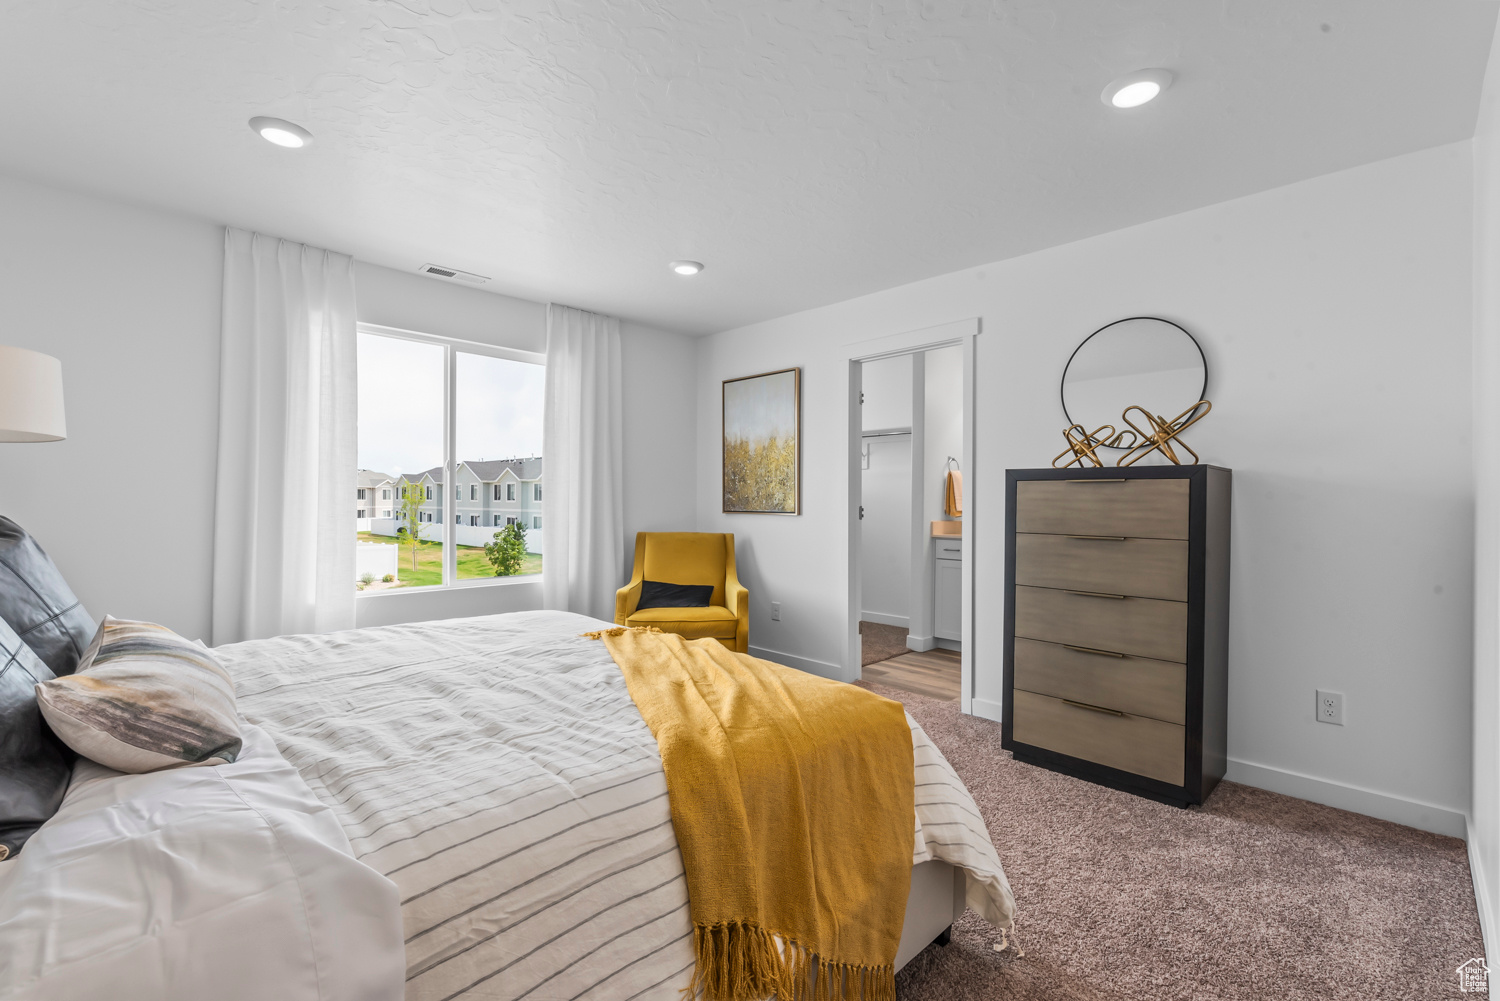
point(31, 396)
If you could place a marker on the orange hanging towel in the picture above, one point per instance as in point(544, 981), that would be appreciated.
point(955, 500)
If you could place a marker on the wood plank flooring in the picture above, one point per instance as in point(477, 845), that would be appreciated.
point(934, 673)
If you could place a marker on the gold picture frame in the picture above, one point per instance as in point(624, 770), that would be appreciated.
point(761, 443)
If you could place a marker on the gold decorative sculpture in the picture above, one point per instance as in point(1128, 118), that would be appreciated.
point(1163, 432)
point(1081, 445)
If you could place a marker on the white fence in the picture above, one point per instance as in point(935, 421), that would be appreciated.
point(483, 535)
point(375, 558)
point(463, 535)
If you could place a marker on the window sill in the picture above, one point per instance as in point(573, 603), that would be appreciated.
point(461, 585)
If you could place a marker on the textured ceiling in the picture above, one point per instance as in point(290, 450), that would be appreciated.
point(807, 152)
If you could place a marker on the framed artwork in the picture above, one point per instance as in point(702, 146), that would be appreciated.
point(763, 443)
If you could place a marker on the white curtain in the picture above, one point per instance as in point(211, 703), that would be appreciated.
point(583, 504)
point(284, 512)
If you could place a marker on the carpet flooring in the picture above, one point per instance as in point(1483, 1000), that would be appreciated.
point(1251, 896)
point(880, 642)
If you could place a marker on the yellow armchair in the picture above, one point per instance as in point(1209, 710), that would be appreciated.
point(689, 558)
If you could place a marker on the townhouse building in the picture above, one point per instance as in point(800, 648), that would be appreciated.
point(485, 495)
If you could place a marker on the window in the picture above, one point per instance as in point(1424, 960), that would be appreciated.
point(462, 406)
point(510, 521)
point(536, 521)
point(536, 493)
point(497, 522)
point(361, 513)
point(361, 494)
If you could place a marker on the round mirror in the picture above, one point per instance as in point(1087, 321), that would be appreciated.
point(1141, 361)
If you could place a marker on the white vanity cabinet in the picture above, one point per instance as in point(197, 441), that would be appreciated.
point(947, 620)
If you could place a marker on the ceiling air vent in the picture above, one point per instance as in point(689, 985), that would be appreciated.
point(453, 274)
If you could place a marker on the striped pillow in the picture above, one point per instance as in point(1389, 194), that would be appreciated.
point(143, 698)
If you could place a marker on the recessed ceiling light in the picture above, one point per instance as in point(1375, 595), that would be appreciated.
point(281, 132)
point(687, 267)
point(1135, 89)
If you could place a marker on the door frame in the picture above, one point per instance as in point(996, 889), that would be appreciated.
point(964, 333)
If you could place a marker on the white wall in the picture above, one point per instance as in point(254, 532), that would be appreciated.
point(1335, 315)
point(885, 493)
point(944, 427)
point(1484, 825)
point(409, 301)
point(128, 298)
point(661, 423)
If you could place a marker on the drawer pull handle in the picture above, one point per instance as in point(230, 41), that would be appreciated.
point(1089, 649)
point(1120, 480)
point(1098, 594)
point(1097, 709)
point(1100, 538)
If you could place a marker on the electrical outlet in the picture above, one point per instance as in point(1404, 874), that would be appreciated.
point(775, 611)
point(1331, 708)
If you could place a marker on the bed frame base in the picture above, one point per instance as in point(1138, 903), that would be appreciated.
point(936, 901)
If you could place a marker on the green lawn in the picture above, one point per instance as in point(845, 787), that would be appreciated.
point(472, 564)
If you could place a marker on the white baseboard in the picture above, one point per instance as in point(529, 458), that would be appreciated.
point(953, 645)
point(986, 709)
point(921, 644)
point(1484, 905)
point(818, 667)
point(886, 620)
point(1381, 805)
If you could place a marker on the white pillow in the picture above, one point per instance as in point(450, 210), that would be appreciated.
point(144, 698)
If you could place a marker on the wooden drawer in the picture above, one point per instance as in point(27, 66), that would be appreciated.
point(1146, 568)
point(1135, 744)
point(1141, 627)
point(1136, 508)
point(1136, 685)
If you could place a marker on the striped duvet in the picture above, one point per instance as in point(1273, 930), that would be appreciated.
point(498, 772)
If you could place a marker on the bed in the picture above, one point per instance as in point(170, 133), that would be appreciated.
point(507, 808)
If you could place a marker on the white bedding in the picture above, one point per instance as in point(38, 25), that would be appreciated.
point(497, 770)
point(196, 883)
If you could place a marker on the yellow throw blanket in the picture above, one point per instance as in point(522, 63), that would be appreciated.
point(792, 800)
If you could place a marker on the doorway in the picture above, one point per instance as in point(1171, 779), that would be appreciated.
point(908, 574)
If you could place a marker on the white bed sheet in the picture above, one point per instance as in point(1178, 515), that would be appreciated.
point(226, 883)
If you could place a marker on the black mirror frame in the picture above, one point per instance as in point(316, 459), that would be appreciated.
point(1062, 398)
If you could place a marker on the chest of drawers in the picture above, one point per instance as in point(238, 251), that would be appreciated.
point(1117, 625)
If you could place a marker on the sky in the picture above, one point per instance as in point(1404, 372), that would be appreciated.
point(401, 406)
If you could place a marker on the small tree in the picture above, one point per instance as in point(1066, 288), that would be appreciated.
point(508, 552)
point(411, 510)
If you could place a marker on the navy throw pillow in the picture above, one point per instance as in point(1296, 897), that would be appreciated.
point(655, 594)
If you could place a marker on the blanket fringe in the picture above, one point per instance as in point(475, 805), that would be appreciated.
point(599, 634)
point(738, 961)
